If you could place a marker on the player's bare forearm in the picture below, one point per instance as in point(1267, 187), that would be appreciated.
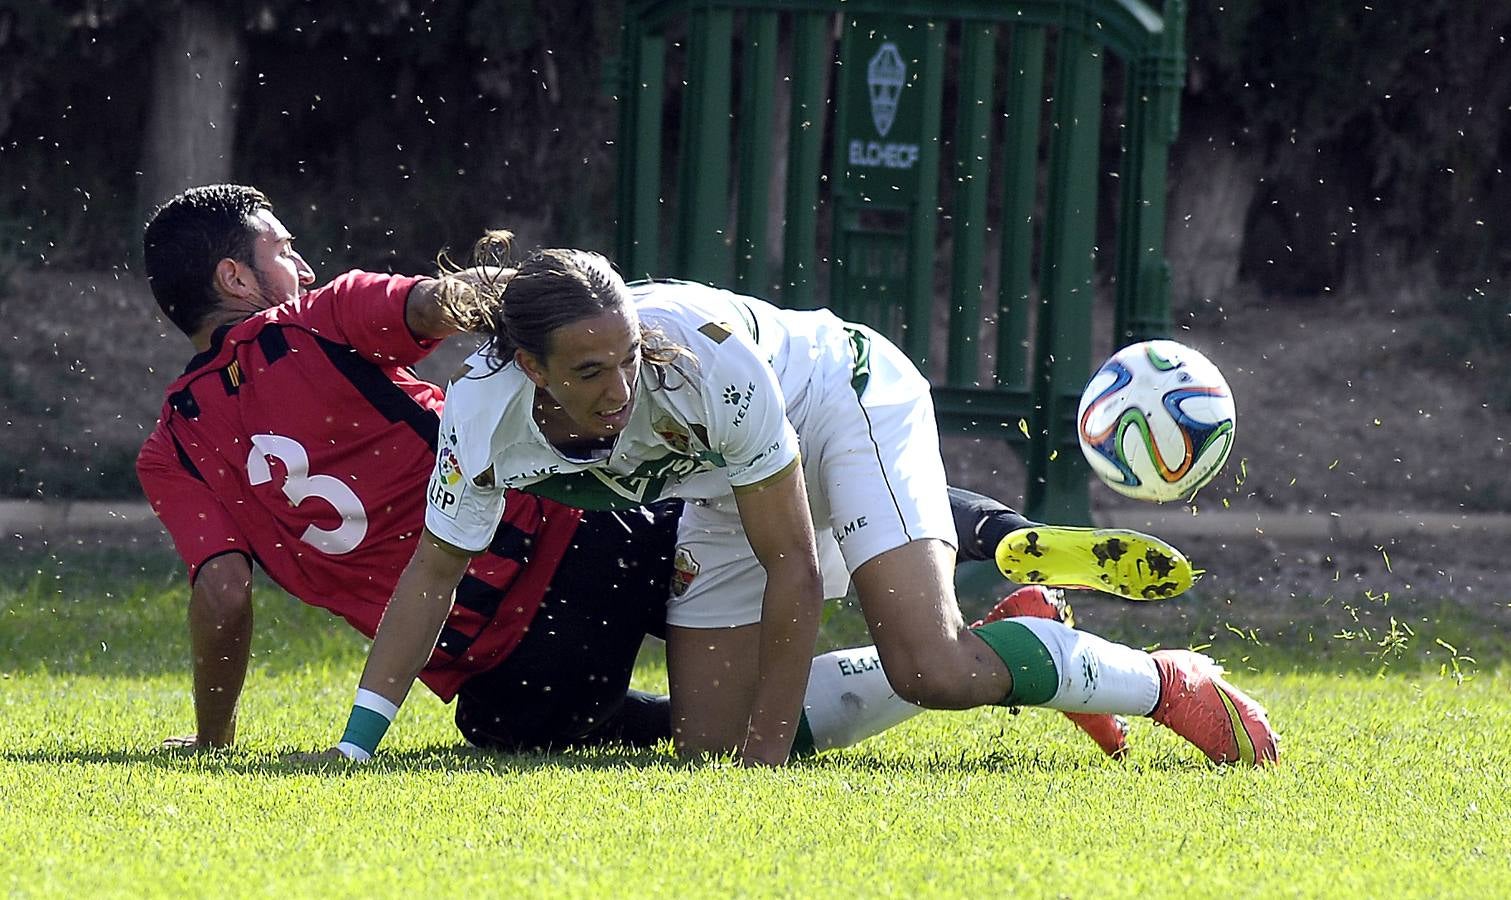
point(779, 527)
point(440, 307)
point(790, 611)
point(220, 634)
point(413, 620)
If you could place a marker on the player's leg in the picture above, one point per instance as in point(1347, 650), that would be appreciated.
point(848, 700)
point(567, 682)
point(1110, 732)
point(712, 674)
point(714, 637)
point(931, 659)
point(981, 522)
point(713, 630)
point(1041, 662)
point(890, 484)
point(849, 697)
point(875, 462)
point(1052, 665)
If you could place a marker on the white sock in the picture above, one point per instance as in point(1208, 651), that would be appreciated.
point(849, 699)
point(1096, 675)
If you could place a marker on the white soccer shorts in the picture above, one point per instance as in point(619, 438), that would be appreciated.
point(875, 482)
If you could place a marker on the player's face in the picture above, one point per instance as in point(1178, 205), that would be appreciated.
point(282, 274)
point(590, 371)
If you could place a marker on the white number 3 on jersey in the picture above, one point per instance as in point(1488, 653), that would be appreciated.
point(300, 485)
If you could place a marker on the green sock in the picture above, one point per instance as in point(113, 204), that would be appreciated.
point(1027, 659)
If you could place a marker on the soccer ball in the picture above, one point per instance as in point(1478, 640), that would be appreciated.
point(1156, 421)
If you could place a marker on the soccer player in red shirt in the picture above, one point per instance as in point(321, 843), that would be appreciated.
point(297, 437)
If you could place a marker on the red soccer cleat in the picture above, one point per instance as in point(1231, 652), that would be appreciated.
point(1110, 732)
point(1222, 721)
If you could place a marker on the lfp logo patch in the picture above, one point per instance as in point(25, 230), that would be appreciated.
point(448, 467)
point(443, 492)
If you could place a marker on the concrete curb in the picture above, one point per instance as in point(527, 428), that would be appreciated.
point(26, 518)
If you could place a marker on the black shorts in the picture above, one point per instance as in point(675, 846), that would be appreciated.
point(567, 682)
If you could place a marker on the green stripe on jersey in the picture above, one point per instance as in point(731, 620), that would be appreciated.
point(860, 354)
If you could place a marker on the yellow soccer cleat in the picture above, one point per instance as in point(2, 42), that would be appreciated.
point(1129, 564)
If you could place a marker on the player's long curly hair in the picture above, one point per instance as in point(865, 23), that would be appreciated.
point(519, 306)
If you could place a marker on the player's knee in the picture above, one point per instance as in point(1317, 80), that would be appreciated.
point(937, 683)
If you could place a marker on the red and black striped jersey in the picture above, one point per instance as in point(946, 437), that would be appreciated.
point(301, 439)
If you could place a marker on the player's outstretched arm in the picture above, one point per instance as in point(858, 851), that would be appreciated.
point(406, 636)
point(220, 634)
point(780, 529)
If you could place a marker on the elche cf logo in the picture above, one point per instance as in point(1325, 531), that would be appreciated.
point(885, 75)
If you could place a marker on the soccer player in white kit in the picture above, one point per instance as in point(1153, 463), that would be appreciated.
point(807, 449)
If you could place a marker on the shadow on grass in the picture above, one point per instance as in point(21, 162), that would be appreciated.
point(460, 758)
point(453, 758)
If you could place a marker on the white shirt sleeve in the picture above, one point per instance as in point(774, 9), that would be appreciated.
point(463, 506)
point(747, 412)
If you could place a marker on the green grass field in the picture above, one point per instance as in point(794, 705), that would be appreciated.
point(1392, 784)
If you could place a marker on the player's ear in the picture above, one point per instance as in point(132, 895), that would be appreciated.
point(234, 280)
point(531, 366)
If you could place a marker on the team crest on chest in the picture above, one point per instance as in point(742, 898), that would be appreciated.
point(669, 430)
point(686, 569)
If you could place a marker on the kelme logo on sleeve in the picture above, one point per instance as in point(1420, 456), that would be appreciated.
point(735, 397)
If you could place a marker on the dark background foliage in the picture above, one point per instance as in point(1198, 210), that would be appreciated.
point(1378, 130)
point(377, 124)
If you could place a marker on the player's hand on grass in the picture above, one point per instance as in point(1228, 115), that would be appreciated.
point(762, 754)
point(189, 743)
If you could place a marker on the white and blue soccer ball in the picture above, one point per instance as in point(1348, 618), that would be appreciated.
point(1156, 421)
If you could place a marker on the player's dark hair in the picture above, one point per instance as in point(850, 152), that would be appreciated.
point(187, 237)
point(550, 289)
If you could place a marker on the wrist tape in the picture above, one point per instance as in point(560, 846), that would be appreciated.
point(371, 715)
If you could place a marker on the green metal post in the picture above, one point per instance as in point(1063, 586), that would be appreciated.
point(640, 141)
point(811, 49)
point(1057, 476)
point(1020, 151)
point(925, 217)
point(972, 144)
point(1153, 101)
point(703, 251)
point(625, 93)
point(757, 103)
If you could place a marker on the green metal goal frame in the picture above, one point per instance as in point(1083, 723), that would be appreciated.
point(706, 216)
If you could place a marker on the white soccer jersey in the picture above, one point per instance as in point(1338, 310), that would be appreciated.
point(723, 420)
